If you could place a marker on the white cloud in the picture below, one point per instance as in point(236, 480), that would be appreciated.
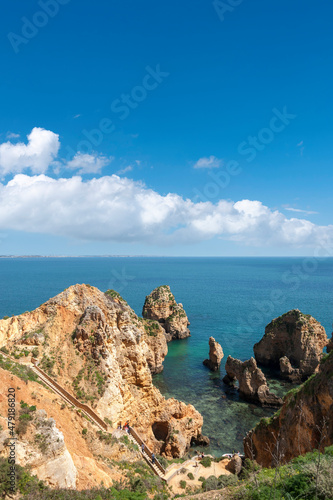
point(43, 146)
point(118, 209)
point(299, 210)
point(125, 170)
point(88, 163)
point(12, 135)
point(210, 162)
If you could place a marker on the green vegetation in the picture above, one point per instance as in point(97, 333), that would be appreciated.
point(23, 372)
point(206, 462)
point(131, 446)
point(190, 476)
point(305, 477)
point(35, 352)
point(163, 461)
point(25, 483)
point(141, 480)
point(151, 327)
point(182, 484)
point(4, 350)
point(114, 294)
point(31, 488)
point(217, 483)
point(93, 378)
point(47, 364)
point(41, 441)
point(25, 417)
point(106, 438)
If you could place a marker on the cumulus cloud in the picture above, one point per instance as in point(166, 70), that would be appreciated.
point(210, 162)
point(118, 209)
point(42, 147)
point(88, 163)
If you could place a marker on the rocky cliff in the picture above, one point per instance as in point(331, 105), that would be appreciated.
point(302, 424)
point(297, 337)
point(160, 305)
point(252, 382)
point(215, 355)
point(95, 346)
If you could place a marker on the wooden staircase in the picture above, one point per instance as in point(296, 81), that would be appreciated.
point(66, 396)
point(147, 454)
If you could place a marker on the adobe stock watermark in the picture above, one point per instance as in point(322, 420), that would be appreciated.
point(120, 280)
point(31, 27)
point(12, 442)
point(224, 7)
point(249, 148)
point(292, 279)
point(122, 107)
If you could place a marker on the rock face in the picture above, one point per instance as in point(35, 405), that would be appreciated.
point(304, 422)
point(235, 464)
point(295, 336)
point(288, 372)
point(160, 305)
point(252, 382)
point(45, 453)
point(96, 347)
point(215, 355)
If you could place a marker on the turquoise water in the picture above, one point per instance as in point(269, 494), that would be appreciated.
point(231, 299)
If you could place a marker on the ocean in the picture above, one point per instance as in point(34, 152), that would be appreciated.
point(231, 299)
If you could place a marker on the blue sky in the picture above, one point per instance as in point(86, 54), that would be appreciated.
point(166, 96)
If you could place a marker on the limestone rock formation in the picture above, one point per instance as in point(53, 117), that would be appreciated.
point(98, 349)
point(200, 440)
point(160, 305)
point(235, 464)
point(54, 444)
point(329, 347)
point(252, 382)
point(215, 355)
point(288, 372)
point(298, 337)
point(304, 422)
point(45, 454)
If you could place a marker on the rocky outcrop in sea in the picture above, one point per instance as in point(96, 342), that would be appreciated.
point(252, 382)
point(215, 355)
point(293, 344)
point(160, 305)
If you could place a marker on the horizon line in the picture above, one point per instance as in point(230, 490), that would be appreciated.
point(36, 256)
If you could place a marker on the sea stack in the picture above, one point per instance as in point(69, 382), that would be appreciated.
point(252, 382)
point(215, 355)
point(160, 305)
point(293, 344)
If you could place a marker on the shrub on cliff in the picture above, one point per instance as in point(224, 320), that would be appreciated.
point(206, 462)
point(24, 482)
point(308, 476)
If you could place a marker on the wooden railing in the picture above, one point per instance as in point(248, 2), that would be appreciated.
point(147, 450)
point(88, 410)
point(71, 398)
